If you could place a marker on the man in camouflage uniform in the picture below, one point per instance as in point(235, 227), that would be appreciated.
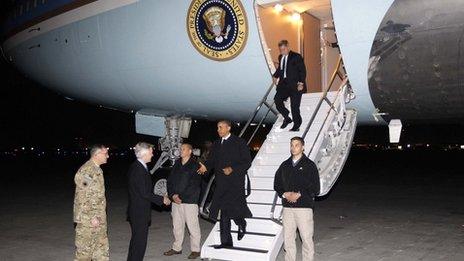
point(90, 208)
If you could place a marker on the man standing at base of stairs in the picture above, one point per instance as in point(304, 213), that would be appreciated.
point(230, 158)
point(297, 183)
point(184, 191)
point(290, 77)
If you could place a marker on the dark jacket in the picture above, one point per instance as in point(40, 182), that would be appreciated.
point(229, 195)
point(185, 181)
point(303, 178)
point(296, 72)
point(141, 194)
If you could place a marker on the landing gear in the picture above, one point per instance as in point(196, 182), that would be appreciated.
point(176, 128)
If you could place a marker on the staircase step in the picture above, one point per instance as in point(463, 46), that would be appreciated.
point(248, 241)
point(262, 183)
point(256, 225)
point(263, 211)
point(305, 119)
point(307, 108)
point(284, 147)
point(246, 249)
point(253, 233)
point(267, 171)
point(259, 196)
point(268, 159)
point(285, 136)
point(317, 95)
point(234, 253)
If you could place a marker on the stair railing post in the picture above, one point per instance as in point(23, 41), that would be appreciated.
point(324, 95)
point(258, 108)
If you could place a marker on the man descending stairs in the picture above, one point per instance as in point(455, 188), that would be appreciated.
point(230, 158)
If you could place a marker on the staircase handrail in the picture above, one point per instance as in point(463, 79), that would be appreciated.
point(263, 101)
point(323, 98)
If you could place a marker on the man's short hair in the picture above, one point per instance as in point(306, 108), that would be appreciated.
point(227, 122)
point(95, 148)
point(188, 145)
point(142, 148)
point(283, 43)
point(300, 139)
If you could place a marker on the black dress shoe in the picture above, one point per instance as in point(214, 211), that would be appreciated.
point(285, 123)
point(222, 246)
point(295, 128)
point(241, 232)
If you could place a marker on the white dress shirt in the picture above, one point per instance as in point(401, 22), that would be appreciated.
point(283, 64)
point(225, 138)
point(143, 163)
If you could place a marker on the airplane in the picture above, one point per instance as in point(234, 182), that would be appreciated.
point(369, 62)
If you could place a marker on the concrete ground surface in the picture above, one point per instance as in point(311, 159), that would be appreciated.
point(385, 206)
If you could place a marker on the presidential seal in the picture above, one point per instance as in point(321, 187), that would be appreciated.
point(217, 28)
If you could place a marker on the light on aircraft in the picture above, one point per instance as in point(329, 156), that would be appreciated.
point(278, 8)
point(296, 16)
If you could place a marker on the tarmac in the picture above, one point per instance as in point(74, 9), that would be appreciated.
point(386, 206)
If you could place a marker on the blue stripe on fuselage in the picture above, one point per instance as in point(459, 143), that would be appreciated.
point(42, 8)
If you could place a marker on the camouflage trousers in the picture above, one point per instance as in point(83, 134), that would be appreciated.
point(91, 244)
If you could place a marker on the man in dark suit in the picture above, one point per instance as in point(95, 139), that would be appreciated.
point(140, 199)
point(230, 158)
point(290, 77)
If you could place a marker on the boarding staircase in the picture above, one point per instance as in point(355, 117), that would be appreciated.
point(328, 128)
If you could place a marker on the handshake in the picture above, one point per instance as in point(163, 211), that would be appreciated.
point(166, 200)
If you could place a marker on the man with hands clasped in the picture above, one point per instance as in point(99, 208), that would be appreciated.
point(184, 185)
point(297, 183)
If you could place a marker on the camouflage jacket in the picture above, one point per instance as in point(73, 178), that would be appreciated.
point(89, 199)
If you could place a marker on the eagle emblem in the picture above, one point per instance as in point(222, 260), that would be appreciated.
point(218, 29)
point(215, 18)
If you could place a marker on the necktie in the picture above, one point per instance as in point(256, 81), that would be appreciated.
point(285, 66)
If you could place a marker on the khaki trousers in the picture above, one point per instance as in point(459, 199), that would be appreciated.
point(185, 214)
point(301, 219)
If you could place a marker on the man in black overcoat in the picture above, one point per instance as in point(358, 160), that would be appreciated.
point(230, 158)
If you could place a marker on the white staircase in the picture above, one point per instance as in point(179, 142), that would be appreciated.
point(328, 140)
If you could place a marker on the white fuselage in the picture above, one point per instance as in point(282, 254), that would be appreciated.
point(137, 56)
